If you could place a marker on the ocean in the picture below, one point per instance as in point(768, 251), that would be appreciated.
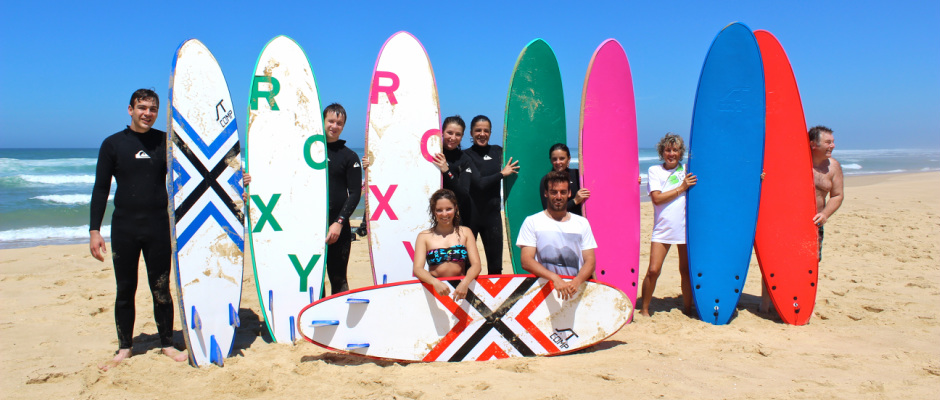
point(45, 193)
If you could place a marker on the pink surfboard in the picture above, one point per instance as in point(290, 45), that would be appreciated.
point(609, 167)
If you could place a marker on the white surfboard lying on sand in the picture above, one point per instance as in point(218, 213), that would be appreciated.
point(502, 316)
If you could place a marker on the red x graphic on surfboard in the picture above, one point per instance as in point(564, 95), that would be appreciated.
point(492, 321)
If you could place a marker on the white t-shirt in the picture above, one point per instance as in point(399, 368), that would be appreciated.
point(558, 245)
point(669, 218)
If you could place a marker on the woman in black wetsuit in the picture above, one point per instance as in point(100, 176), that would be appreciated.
point(560, 158)
point(448, 248)
point(486, 199)
point(457, 170)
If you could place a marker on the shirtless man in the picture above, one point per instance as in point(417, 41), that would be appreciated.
point(827, 176)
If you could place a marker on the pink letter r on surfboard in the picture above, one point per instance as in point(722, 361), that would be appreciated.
point(388, 90)
point(383, 202)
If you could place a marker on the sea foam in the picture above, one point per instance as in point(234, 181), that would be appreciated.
point(50, 232)
point(67, 198)
point(59, 179)
point(16, 164)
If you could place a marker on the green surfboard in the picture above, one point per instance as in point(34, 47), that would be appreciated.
point(535, 120)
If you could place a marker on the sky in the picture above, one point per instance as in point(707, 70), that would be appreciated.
point(870, 70)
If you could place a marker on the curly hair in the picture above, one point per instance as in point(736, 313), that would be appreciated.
point(671, 140)
point(441, 194)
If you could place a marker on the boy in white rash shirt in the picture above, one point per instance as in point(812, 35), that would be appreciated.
point(554, 242)
point(667, 184)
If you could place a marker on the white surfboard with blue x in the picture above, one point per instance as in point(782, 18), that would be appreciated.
point(206, 205)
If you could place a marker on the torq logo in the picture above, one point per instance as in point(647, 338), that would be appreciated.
point(222, 115)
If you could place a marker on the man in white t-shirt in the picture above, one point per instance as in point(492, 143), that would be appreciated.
point(555, 242)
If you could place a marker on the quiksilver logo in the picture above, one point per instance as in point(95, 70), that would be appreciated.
point(141, 155)
point(487, 157)
point(356, 166)
point(469, 171)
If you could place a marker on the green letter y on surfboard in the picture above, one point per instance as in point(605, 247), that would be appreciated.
point(303, 272)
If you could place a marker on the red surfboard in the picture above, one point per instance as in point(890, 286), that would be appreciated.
point(786, 243)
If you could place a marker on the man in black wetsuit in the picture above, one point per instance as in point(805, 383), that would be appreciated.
point(345, 192)
point(136, 158)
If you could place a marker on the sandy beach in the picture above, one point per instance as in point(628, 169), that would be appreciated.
point(874, 333)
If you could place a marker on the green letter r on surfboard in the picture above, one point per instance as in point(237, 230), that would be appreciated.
point(268, 95)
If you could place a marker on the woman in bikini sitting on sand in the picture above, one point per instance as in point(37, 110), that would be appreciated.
point(448, 248)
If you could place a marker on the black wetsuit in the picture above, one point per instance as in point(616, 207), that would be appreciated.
point(140, 223)
point(487, 221)
point(574, 185)
point(345, 192)
point(460, 178)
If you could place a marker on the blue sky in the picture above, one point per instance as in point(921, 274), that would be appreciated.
point(870, 70)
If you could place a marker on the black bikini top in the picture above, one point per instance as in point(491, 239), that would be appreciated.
point(456, 253)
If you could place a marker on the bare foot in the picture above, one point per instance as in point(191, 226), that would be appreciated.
point(175, 354)
point(121, 355)
point(645, 313)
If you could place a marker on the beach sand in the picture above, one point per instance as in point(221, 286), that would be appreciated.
point(875, 332)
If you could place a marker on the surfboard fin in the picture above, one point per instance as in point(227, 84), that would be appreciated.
point(350, 300)
point(196, 323)
point(354, 346)
point(323, 322)
point(384, 278)
point(292, 329)
point(233, 319)
point(271, 300)
point(215, 353)
point(310, 290)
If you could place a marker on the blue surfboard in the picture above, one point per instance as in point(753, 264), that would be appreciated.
point(726, 152)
